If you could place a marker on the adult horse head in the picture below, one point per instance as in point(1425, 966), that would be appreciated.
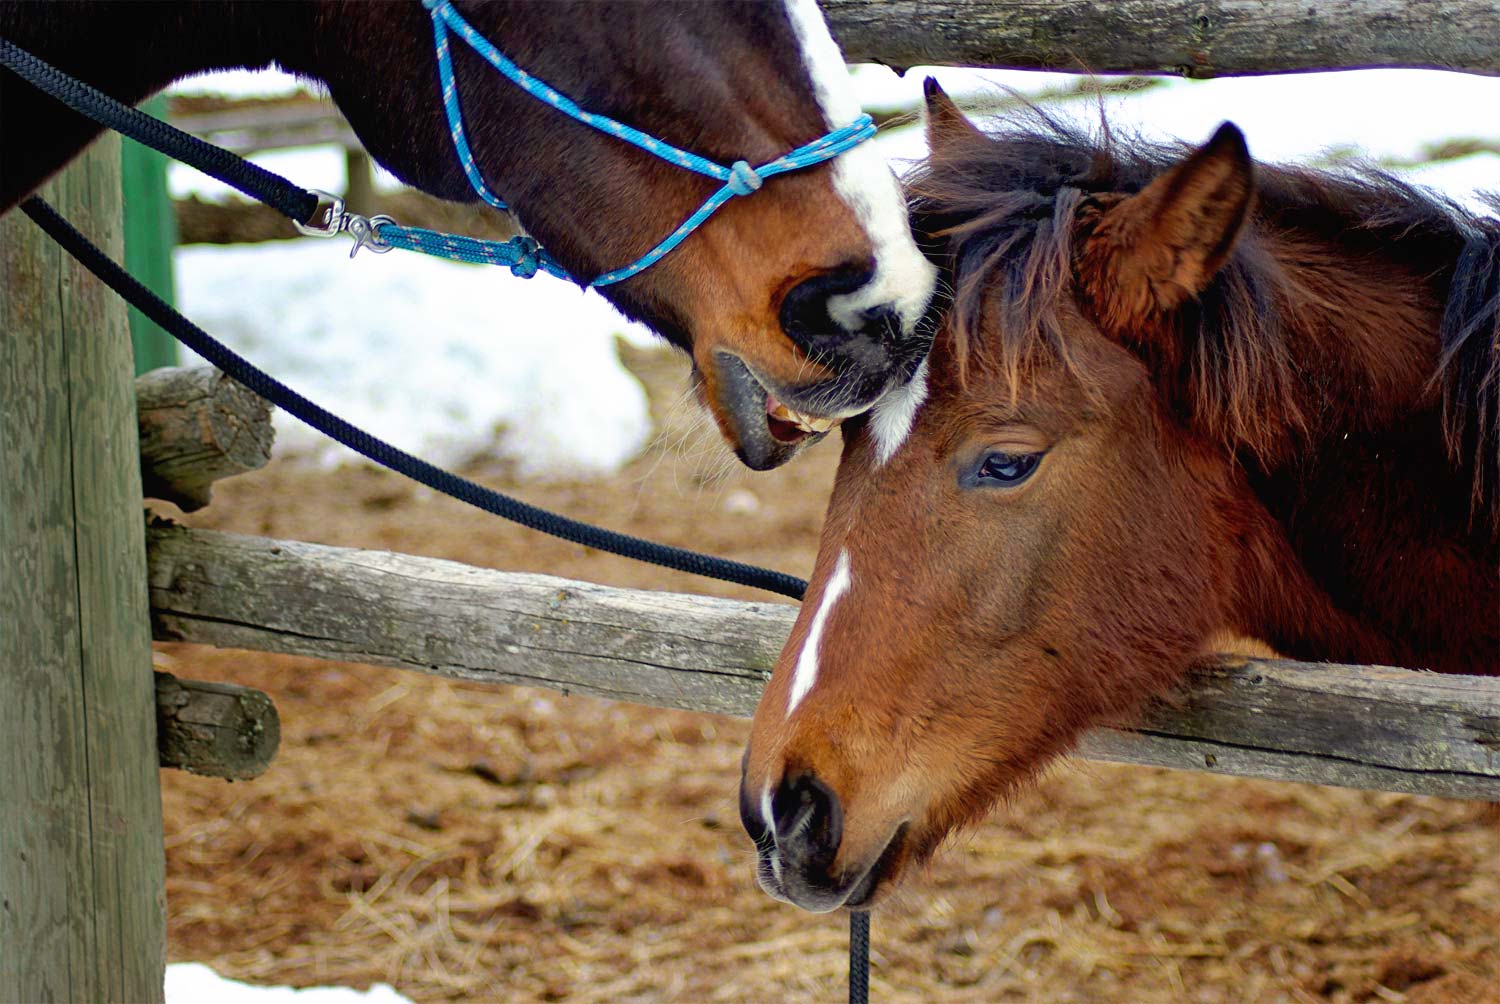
point(799, 306)
point(1175, 399)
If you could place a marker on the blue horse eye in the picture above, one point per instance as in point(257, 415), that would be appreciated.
point(1008, 468)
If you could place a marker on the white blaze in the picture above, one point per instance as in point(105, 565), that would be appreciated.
point(892, 417)
point(806, 672)
point(865, 183)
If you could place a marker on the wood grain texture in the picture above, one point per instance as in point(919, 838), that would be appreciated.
point(82, 916)
point(1180, 37)
point(215, 729)
point(1365, 727)
point(197, 426)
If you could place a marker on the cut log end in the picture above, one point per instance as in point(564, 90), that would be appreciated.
point(197, 426)
point(215, 729)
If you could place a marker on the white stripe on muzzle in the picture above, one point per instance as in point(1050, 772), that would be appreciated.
point(903, 278)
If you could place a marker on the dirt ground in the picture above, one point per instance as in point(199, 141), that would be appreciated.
point(494, 844)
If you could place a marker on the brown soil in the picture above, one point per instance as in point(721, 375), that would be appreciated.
point(493, 844)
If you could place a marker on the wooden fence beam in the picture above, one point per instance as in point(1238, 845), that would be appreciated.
point(82, 869)
point(196, 427)
point(1192, 38)
point(1361, 727)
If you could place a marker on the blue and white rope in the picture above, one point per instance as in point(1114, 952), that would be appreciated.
point(525, 258)
point(522, 255)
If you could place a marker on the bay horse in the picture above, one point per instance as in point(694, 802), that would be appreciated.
point(1175, 399)
point(799, 306)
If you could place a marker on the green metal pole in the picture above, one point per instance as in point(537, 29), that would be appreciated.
point(150, 236)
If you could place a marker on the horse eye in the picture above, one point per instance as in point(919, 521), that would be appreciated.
point(1006, 469)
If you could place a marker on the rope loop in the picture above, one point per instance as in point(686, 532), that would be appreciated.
point(742, 178)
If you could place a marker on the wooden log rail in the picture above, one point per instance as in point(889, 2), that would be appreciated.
point(1363, 727)
point(1192, 38)
point(215, 729)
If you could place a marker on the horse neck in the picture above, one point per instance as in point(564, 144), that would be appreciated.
point(101, 44)
point(1362, 519)
point(1361, 334)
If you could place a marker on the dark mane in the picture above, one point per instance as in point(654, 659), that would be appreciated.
point(996, 212)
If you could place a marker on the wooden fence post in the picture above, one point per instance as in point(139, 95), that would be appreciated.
point(82, 912)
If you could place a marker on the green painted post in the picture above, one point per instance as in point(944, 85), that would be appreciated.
point(82, 871)
point(150, 236)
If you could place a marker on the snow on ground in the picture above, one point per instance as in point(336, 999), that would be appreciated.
point(1294, 118)
point(194, 983)
point(455, 361)
point(450, 361)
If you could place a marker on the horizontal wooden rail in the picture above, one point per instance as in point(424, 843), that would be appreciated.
point(270, 125)
point(1194, 38)
point(1364, 727)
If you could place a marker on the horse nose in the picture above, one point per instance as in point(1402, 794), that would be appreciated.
point(841, 336)
point(808, 822)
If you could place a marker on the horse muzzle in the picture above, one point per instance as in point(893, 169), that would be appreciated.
point(798, 831)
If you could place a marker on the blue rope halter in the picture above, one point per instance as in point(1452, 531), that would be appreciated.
point(523, 255)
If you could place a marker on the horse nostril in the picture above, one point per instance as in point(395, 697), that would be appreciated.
point(804, 310)
point(754, 823)
point(809, 820)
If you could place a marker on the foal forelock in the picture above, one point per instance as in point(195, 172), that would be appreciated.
point(1003, 212)
point(1469, 365)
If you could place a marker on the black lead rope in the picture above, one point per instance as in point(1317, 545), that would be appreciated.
point(253, 180)
point(859, 957)
point(299, 205)
point(386, 455)
point(383, 453)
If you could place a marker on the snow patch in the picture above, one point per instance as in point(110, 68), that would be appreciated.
point(195, 983)
point(449, 361)
point(1292, 118)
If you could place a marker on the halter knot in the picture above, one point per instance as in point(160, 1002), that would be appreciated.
point(742, 178)
point(431, 4)
point(527, 257)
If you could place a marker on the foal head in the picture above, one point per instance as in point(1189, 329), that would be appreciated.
point(1029, 542)
point(799, 304)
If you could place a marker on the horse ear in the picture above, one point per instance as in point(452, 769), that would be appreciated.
point(945, 122)
point(1151, 252)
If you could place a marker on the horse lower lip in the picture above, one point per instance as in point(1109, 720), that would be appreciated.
point(864, 890)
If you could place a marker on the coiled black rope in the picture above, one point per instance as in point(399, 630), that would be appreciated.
point(299, 204)
point(383, 453)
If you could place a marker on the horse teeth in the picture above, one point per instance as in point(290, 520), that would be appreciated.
point(807, 423)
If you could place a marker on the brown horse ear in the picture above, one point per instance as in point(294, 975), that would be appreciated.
point(945, 122)
point(1149, 253)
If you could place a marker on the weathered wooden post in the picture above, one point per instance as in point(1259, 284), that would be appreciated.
point(82, 916)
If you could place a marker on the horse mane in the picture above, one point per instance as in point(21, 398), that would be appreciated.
point(996, 211)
